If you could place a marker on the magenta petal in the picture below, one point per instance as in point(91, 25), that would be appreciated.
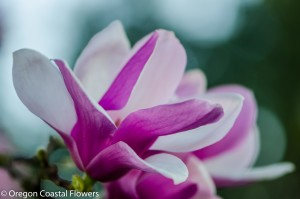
point(114, 161)
point(93, 129)
point(156, 186)
point(119, 92)
point(242, 126)
point(124, 187)
point(73, 148)
point(141, 128)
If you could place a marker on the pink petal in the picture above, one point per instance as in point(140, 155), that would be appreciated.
point(93, 129)
point(242, 126)
point(41, 88)
point(116, 160)
point(141, 128)
point(233, 167)
point(204, 135)
point(102, 59)
point(199, 175)
point(73, 149)
point(156, 186)
point(120, 90)
point(238, 158)
point(160, 76)
point(124, 187)
point(192, 84)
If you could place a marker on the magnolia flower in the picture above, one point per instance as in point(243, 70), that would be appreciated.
point(154, 84)
point(118, 101)
point(141, 185)
point(230, 161)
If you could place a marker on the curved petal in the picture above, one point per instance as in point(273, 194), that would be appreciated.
point(120, 90)
point(141, 128)
point(41, 88)
point(116, 160)
point(204, 135)
point(93, 128)
point(156, 186)
point(73, 149)
point(160, 77)
point(234, 166)
point(242, 126)
point(199, 175)
point(169, 166)
point(236, 159)
point(192, 84)
point(269, 172)
point(102, 59)
point(124, 187)
point(249, 175)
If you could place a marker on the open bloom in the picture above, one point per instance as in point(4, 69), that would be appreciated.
point(230, 161)
point(122, 88)
point(117, 102)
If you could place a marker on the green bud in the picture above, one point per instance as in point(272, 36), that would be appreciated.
point(78, 183)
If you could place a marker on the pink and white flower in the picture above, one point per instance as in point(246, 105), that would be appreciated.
point(116, 103)
point(229, 161)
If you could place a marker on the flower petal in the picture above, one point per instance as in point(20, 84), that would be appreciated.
point(160, 77)
point(169, 166)
point(156, 186)
point(242, 126)
point(199, 175)
point(41, 88)
point(73, 149)
point(94, 128)
point(120, 90)
point(233, 167)
point(116, 160)
point(236, 159)
point(204, 135)
point(124, 187)
point(249, 175)
point(192, 84)
point(102, 59)
point(141, 128)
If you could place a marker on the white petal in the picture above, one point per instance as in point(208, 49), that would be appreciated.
point(41, 88)
point(199, 175)
point(269, 172)
point(205, 135)
point(235, 164)
point(160, 76)
point(192, 84)
point(236, 159)
point(102, 59)
point(169, 166)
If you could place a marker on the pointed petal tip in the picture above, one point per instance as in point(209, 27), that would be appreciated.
point(287, 167)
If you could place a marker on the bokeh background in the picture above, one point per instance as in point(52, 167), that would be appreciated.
point(255, 43)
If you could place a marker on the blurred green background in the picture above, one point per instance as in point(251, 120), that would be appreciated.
point(249, 42)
